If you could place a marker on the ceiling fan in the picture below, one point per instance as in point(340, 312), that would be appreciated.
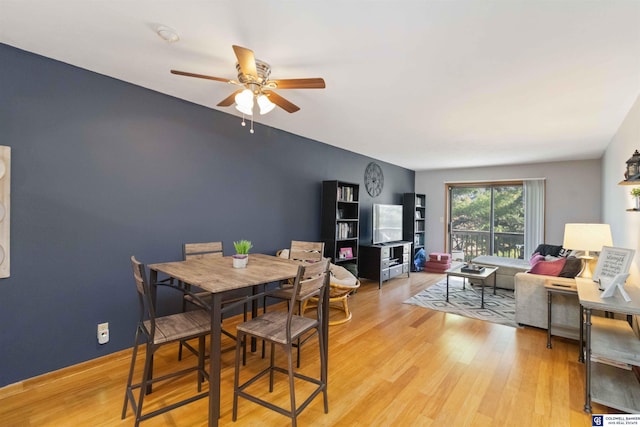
point(255, 86)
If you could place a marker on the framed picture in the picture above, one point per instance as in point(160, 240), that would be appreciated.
point(346, 253)
point(612, 262)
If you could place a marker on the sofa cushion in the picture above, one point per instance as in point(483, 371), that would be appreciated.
point(549, 268)
point(507, 268)
point(536, 258)
point(544, 250)
point(572, 267)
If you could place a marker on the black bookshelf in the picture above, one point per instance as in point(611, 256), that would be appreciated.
point(340, 223)
point(414, 206)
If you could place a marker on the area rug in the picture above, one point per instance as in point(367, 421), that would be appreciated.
point(499, 308)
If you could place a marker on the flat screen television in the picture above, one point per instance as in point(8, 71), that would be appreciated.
point(387, 223)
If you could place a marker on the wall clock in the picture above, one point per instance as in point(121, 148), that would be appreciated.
point(373, 179)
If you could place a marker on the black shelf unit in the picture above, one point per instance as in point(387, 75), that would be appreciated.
point(414, 206)
point(340, 223)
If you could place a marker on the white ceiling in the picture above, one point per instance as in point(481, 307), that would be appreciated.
point(420, 84)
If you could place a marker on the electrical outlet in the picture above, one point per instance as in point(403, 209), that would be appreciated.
point(103, 333)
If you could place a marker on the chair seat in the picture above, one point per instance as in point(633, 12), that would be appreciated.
point(180, 326)
point(272, 326)
point(285, 292)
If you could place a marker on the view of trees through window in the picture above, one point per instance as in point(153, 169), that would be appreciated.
point(487, 220)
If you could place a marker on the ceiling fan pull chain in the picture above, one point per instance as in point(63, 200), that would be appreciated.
point(243, 123)
point(251, 130)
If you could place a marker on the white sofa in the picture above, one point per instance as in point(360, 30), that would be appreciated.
point(532, 305)
point(507, 268)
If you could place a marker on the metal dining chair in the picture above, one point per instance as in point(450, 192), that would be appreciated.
point(284, 329)
point(305, 252)
point(156, 332)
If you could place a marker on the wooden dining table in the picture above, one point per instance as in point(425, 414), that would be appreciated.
point(217, 275)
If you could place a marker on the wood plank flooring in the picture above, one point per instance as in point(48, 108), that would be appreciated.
point(393, 364)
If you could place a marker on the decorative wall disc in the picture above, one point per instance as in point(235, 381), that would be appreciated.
point(373, 179)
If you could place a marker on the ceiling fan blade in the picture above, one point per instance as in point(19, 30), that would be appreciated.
point(247, 61)
point(281, 102)
point(229, 99)
point(200, 76)
point(314, 83)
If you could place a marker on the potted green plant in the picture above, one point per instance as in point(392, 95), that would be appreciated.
point(241, 257)
point(635, 192)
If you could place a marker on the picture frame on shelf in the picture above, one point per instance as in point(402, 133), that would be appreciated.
point(611, 263)
point(346, 253)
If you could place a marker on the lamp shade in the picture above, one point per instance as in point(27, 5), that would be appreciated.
point(265, 104)
point(587, 237)
point(244, 102)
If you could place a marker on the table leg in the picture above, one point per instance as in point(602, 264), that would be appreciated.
point(587, 362)
point(548, 319)
point(448, 287)
point(153, 279)
point(581, 344)
point(214, 359)
point(482, 293)
point(254, 310)
point(324, 373)
point(495, 280)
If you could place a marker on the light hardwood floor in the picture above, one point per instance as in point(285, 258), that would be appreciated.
point(393, 364)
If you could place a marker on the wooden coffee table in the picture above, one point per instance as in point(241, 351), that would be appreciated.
point(473, 278)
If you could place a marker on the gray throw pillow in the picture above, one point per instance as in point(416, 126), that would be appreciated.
point(571, 268)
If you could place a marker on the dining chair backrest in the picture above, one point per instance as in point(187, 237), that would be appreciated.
point(312, 280)
point(306, 251)
point(201, 250)
point(147, 310)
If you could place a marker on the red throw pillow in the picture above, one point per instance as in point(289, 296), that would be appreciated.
point(548, 268)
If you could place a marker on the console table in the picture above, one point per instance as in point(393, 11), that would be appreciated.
point(613, 346)
point(384, 261)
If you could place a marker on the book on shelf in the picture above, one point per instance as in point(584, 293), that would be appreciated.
point(345, 194)
point(345, 230)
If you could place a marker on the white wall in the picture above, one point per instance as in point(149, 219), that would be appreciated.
point(625, 226)
point(572, 194)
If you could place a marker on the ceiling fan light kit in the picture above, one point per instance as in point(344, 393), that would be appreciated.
point(253, 77)
point(265, 105)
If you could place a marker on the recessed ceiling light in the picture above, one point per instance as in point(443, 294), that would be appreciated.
point(167, 34)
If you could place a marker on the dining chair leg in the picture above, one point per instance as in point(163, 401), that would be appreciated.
point(236, 377)
point(130, 377)
point(271, 366)
point(200, 362)
point(292, 393)
point(323, 369)
point(145, 377)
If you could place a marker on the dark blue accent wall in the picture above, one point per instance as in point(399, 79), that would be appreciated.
point(102, 170)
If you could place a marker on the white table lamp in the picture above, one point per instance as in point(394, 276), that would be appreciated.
point(587, 238)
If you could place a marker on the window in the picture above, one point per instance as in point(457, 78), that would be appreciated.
point(487, 219)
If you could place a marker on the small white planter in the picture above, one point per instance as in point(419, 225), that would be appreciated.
point(240, 261)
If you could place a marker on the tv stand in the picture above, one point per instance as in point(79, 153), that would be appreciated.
point(384, 261)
